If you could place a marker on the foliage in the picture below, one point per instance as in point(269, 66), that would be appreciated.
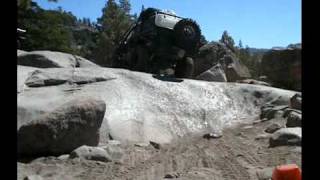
point(114, 22)
point(251, 60)
point(55, 30)
point(58, 30)
point(227, 40)
point(46, 29)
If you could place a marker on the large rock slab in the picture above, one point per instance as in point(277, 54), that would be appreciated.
point(253, 81)
point(286, 137)
point(54, 76)
point(52, 59)
point(215, 73)
point(289, 111)
point(294, 119)
point(75, 123)
point(23, 73)
point(141, 108)
point(215, 53)
point(270, 111)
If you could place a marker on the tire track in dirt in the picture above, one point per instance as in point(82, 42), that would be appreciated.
point(227, 162)
point(237, 155)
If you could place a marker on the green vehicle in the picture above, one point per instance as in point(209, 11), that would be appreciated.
point(160, 43)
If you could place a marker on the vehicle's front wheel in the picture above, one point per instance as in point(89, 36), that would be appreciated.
point(187, 34)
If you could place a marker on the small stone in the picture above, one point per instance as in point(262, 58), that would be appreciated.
point(141, 144)
point(115, 152)
point(212, 136)
point(114, 142)
point(248, 127)
point(256, 122)
point(262, 136)
point(273, 128)
point(172, 175)
point(238, 134)
point(264, 174)
point(33, 177)
point(155, 145)
point(64, 157)
point(91, 153)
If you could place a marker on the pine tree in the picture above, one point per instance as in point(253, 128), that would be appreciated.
point(125, 6)
point(227, 40)
point(114, 23)
point(240, 44)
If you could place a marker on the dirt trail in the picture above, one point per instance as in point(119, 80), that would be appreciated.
point(237, 155)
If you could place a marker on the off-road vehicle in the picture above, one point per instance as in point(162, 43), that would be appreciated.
point(160, 43)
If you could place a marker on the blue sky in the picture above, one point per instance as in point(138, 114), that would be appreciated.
point(258, 23)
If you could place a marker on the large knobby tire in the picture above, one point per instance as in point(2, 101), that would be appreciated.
point(184, 68)
point(187, 35)
point(147, 13)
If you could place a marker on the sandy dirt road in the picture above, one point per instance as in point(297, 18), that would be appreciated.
point(237, 155)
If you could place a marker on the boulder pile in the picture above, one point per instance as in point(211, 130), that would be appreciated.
point(291, 114)
point(216, 62)
point(283, 67)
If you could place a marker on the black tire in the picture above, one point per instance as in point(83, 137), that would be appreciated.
point(147, 13)
point(187, 35)
point(184, 68)
point(18, 44)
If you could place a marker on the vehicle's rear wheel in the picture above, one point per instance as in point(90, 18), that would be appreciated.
point(187, 34)
point(184, 68)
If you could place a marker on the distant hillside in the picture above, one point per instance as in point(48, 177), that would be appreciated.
point(253, 51)
point(290, 46)
point(261, 51)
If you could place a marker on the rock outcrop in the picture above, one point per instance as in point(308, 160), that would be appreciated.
point(216, 73)
point(273, 128)
point(286, 137)
point(296, 101)
point(270, 111)
point(39, 78)
point(283, 67)
point(216, 53)
point(140, 108)
point(75, 123)
point(294, 119)
point(52, 59)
